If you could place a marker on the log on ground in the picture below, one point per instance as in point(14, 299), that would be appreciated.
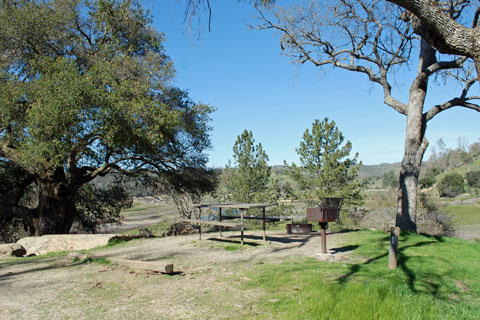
point(144, 265)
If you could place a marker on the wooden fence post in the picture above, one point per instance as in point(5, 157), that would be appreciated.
point(393, 248)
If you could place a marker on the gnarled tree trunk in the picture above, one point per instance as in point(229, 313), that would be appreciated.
point(56, 209)
point(415, 145)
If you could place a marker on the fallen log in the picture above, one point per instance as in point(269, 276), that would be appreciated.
point(144, 265)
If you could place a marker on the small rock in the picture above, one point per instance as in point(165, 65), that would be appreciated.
point(12, 249)
point(144, 232)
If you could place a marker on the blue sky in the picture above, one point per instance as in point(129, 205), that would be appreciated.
point(243, 74)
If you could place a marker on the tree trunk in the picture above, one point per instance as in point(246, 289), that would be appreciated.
point(55, 216)
point(56, 209)
point(415, 145)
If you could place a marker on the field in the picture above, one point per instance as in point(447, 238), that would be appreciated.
point(283, 279)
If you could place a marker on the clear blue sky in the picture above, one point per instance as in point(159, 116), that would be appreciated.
point(243, 74)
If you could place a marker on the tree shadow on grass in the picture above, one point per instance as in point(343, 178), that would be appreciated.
point(430, 285)
point(343, 249)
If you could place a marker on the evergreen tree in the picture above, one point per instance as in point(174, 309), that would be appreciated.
point(248, 178)
point(325, 169)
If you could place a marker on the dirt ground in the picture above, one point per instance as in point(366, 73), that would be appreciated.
point(206, 284)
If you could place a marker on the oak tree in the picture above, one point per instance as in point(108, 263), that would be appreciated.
point(85, 90)
point(437, 23)
point(370, 38)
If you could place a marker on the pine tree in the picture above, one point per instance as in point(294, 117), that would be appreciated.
point(325, 169)
point(248, 177)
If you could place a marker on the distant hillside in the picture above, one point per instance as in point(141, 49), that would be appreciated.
point(366, 171)
point(377, 170)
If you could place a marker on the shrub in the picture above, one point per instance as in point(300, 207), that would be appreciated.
point(435, 224)
point(429, 179)
point(390, 180)
point(450, 185)
point(473, 178)
point(426, 182)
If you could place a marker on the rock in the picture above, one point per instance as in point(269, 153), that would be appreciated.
point(12, 249)
point(144, 232)
point(64, 242)
point(179, 228)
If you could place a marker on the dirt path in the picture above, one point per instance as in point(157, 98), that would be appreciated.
point(205, 287)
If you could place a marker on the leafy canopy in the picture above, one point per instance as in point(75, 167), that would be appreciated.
point(87, 84)
point(325, 169)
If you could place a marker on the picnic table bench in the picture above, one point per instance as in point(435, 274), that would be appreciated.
point(242, 206)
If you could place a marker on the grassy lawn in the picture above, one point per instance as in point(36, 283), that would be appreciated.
point(437, 278)
point(464, 214)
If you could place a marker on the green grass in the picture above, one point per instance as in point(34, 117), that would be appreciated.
point(474, 165)
point(437, 278)
point(464, 214)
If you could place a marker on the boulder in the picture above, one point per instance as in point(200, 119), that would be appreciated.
point(179, 228)
point(64, 242)
point(12, 249)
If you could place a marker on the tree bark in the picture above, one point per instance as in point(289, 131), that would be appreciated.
point(415, 144)
point(56, 209)
point(440, 30)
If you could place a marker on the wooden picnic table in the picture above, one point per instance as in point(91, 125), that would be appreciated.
point(241, 206)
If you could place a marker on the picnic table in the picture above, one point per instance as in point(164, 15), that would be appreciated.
point(243, 207)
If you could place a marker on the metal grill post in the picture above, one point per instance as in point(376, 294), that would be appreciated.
point(324, 236)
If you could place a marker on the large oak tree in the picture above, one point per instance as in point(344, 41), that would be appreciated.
point(373, 38)
point(85, 89)
point(438, 24)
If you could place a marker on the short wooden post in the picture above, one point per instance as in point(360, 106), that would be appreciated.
point(241, 227)
point(323, 225)
point(199, 225)
point(220, 215)
point(264, 232)
point(393, 248)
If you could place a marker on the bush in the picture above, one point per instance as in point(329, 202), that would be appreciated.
point(450, 185)
point(435, 224)
point(390, 180)
point(473, 178)
point(429, 179)
point(427, 182)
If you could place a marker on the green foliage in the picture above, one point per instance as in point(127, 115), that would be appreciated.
point(96, 207)
point(426, 182)
point(473, 178)
point(451, 185)
point(86, 88)
point(426, 285)
point(14, 189)
point(390, 180)
point(115, 241)
point(325, 169)
point(429, 179)
point(247, 179)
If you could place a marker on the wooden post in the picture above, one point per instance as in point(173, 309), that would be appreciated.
point(393, 248)
point(199, 225)
point(220, 215)
point(241, 227)
point(324, 236)
point(264, 232)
